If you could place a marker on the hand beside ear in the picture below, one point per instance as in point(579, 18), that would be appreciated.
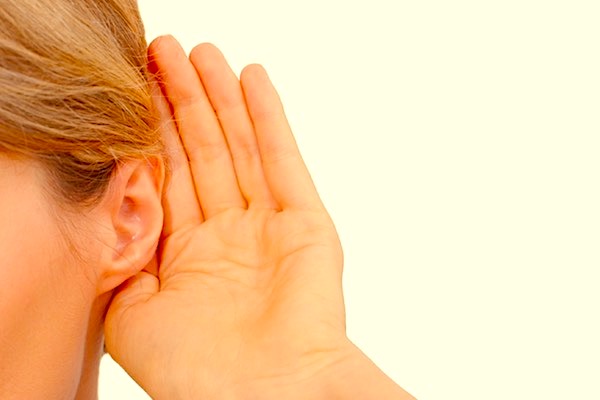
point(248, 298)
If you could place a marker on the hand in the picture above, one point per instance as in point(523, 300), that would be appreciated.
point(248, 292)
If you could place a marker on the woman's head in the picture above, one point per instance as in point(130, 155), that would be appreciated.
point(74, 90)
point(80, 179)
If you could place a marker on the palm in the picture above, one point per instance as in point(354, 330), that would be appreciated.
point(249, 256)
point(256, 268)
point(250, 261)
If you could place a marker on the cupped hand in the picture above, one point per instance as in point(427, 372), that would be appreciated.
point(248, 291)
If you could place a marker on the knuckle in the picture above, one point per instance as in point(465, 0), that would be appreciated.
point(207, 152)
point(246, 151)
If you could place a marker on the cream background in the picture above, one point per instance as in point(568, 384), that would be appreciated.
point(456, 146)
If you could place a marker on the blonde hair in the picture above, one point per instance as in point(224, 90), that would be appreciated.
point(74, 90)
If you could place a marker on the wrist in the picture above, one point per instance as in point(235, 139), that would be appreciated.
point(359, 378)
point(348, 374)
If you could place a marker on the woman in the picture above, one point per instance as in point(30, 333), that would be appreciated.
point(81, 177)
point(235, 292)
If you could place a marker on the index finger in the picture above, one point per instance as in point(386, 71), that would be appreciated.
point(180, 204)
point(198, 127)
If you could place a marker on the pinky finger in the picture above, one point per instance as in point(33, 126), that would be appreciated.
point(180, 203)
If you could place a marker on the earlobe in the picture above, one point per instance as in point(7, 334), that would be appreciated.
point(135, 216)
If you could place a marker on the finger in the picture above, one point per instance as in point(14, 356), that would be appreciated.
point(180, 203)
point(206, 148)
point(225, 94)
point(122, 322)
point(285, 171)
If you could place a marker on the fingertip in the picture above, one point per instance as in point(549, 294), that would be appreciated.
point(205, 51)
point(157, 43)
point(251, 70)
point(162, 39)
point(204, 46)
point(164, 44)
point(255, 77)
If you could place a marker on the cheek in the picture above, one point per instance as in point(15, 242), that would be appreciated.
point(28, 250)
point(43, 302)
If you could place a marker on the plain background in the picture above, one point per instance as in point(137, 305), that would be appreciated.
point(456, 145)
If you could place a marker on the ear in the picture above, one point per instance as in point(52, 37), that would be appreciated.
point(133, 211)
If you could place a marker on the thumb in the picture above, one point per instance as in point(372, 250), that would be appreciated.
point(126, 321)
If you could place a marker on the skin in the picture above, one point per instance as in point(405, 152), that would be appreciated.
point(52, 298)
point(246, 300)
point(243, 298)
point(43, 299)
